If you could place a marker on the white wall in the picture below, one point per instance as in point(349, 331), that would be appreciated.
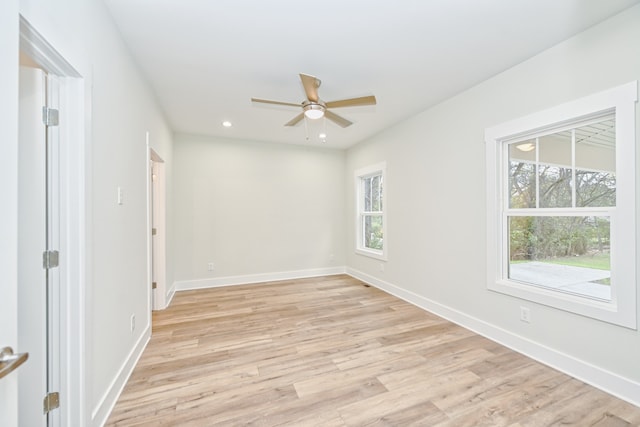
point(123, 111)
point(120, 108)
point(436, 203)
point(255, 209)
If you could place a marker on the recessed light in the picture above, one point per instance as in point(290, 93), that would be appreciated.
point(322, 135)
point(226, 124)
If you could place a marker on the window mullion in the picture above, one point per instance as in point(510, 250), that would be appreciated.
point(537, 169)
point(573, 168)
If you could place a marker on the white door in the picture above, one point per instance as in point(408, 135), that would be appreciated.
point(38, 318)
point(8, 208)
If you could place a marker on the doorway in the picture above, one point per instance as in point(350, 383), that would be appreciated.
point(52, 259)
point(157, 228)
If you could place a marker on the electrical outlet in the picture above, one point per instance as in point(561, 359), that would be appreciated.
point(331, 257)
point(120, 196)
point(210, 267)
point(382, 266)
point(133, 322)
point(525, 314)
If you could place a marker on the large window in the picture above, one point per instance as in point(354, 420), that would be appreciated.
point(561, 205)
point(370, 222)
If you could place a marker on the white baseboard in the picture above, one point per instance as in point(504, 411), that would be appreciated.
point(255, 278)
point(105, 405)
point(609, 382)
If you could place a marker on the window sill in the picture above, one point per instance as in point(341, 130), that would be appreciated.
point(606, 311)
point(372, 254)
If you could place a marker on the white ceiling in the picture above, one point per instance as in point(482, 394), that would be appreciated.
point(206, 58)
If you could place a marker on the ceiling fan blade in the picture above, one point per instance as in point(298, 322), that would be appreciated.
point(340, 121)
point(267, 101)
point(352, 102)
point(311, 85)
point(295, 120)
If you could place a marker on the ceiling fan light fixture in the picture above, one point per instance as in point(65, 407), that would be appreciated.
point(313, 111)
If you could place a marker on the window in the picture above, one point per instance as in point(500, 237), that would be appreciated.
point(561, 206)
point(371, 222)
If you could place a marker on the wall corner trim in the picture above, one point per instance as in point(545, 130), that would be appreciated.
point(170, 294)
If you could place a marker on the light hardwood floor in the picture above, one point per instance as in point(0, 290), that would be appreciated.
point(331, 351)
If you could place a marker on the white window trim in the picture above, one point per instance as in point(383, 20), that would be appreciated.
point(621, 310)
point(376, 169)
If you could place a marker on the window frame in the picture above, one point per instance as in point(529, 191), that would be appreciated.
point(621, 309)
point(360, 175)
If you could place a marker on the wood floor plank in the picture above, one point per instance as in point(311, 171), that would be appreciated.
point(330, 351)
point(311, 409)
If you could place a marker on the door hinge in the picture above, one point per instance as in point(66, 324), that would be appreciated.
point(51, 402)
point(154, 231)
point(154, 285)
point(50, 259)
point(50, 116)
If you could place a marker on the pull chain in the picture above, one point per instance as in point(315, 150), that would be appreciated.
point(306, 128)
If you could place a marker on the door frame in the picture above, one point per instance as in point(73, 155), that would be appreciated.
point(75, 226)
point(156, 218)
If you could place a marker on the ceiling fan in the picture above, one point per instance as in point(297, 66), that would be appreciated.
point(314, 108)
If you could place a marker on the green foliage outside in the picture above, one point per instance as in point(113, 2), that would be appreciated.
point(599, 261)
point(543, 238)
point(582, 241)
point(373, 232)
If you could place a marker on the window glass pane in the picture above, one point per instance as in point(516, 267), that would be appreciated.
point(372, 192)
point(372, 232)
point(375, 193)
point(366, 190)
point(554, 170)
point(379, 199)
point(566, 253)
point(522, 175)
point(595, 189)
point(596, 164)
